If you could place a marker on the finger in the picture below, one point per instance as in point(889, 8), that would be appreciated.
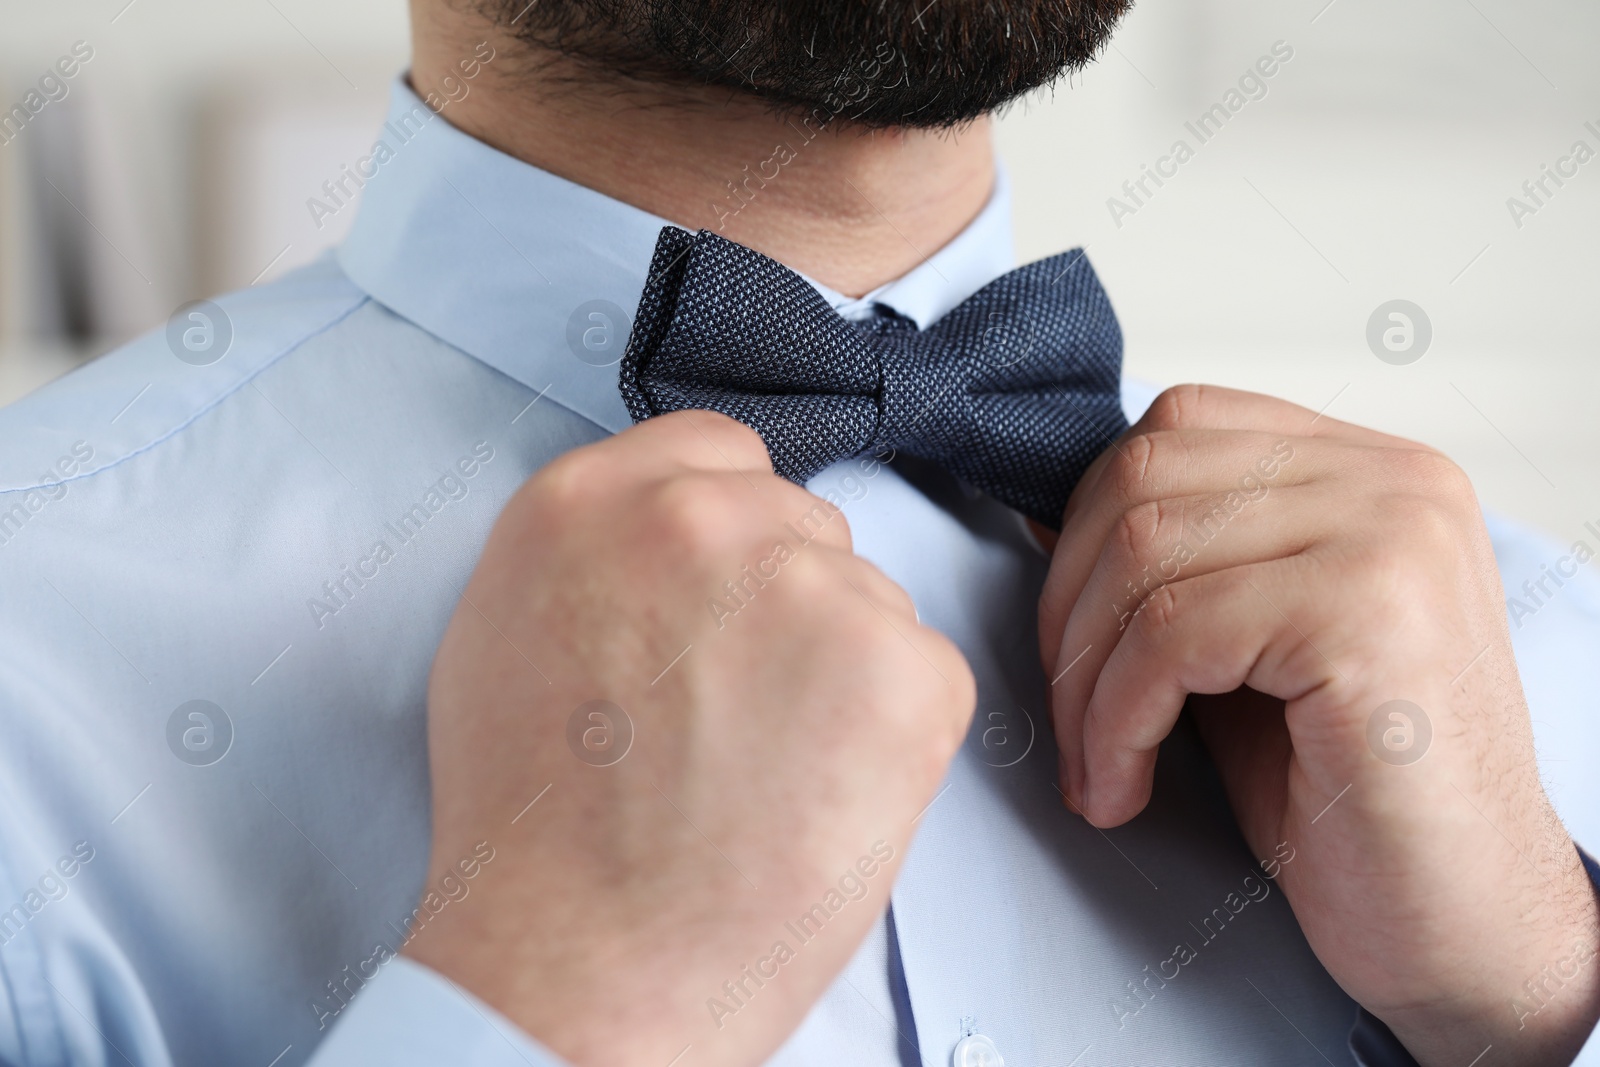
point(1236, 466)
point(698, 440)
point(1213, 407)
point(832, 575)
point(712, 442)
point(1169, 461)
point(889, 600)
point(794, 518)
point(800, 517)
point(733, 529)
point(928, 650)
point(1151, 546)
point(1153, 466)
point(1210, 634)
point(881, 592)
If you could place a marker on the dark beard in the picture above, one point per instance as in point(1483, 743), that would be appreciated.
point(875, 63)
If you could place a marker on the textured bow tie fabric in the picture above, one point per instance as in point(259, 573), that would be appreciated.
point(1015, 391)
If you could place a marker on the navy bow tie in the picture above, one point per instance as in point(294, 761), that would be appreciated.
point(1016, 390)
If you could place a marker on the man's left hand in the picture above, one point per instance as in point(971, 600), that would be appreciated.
point(1338, 586)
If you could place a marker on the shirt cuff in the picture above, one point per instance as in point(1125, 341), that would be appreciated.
point(1590, 1056)
point(411, 1016)
point(1372, 1044)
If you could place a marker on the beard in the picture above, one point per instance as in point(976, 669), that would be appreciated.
point(872, 63)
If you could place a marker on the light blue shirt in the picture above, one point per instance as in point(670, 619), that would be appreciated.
point(222, 582)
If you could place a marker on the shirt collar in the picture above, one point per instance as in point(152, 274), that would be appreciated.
point(972, 259)
point(510, 263)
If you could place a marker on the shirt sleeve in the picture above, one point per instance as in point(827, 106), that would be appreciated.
point(1372, 1044)
point(411, 1016)
point(1590, 1055)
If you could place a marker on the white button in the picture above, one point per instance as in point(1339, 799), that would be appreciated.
point(975, 1050)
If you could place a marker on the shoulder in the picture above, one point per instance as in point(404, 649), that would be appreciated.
point(152, 388)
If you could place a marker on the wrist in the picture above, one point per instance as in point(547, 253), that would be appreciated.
point(589, 1001)
point(1538, 1007)
point(597, 990)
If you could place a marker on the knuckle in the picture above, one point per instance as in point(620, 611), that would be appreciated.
point(570, 480)
point(1435, 525)
point(876, 584)
point(956, 694)
point(1138, 533)
point(841, 525)
point(1158, 613)
point(1177, 408)
point(963, 694)
point(728, 435)
point(1132, 466)
point(1138, 464)
point(809, 584)
point(1415, 522)
point(810, 515)
point(694, 514)
point(925, 679)
point(1438, 476)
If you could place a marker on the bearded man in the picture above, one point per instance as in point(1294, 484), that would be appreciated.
point(668, 592)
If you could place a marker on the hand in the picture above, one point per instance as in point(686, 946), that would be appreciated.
point(1231, 540)
point(779, 751)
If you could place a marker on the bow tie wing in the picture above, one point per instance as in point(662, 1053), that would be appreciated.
point(1042, 397)
point(723, 327)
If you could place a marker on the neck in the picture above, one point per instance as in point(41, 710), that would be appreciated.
point(852, 208)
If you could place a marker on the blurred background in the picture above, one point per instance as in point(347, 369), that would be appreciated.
point(1375, 164)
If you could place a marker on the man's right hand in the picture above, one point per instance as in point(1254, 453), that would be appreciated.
point(779, 753)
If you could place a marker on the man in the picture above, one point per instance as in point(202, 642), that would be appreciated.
point(689, 722)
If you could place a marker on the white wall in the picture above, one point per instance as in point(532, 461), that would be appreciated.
point(1377, 167)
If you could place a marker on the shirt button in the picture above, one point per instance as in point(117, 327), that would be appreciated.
point(976, 1050)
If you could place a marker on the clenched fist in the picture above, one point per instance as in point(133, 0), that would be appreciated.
point(723, 798)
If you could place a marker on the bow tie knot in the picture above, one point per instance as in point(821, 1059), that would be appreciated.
point(1016, 390)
